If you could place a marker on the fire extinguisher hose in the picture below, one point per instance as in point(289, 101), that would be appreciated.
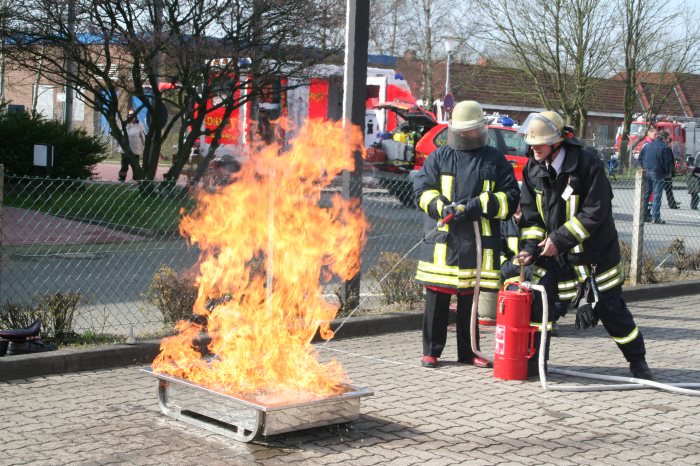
point(625, 383)
point(475, 303)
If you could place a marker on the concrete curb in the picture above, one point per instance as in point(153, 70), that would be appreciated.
point(108, 356)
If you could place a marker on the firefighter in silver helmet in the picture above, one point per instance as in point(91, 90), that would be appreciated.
point(474, 182)
point(568, 233)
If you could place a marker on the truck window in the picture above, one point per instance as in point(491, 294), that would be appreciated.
point(441, 138)
point(515, 144)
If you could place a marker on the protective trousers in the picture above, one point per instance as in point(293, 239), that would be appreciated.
point(612, 311)
point(435, 320)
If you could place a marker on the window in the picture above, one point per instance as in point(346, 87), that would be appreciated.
point(44, 101)
point(515, 144)
point(441, 138)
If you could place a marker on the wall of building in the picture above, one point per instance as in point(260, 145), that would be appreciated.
point(19, 89)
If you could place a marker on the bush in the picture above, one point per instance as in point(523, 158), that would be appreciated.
point(56, 312)
point(683, 259)
point(174, 294)
point(396, 279)
point(648, 268)
point(76, 152)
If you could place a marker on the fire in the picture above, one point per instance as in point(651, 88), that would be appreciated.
point(267, 248)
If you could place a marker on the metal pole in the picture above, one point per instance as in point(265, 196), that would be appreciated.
point(2, 193)
point(354, 97)
point(638, 215)
point(447, 74)
point(70, 69)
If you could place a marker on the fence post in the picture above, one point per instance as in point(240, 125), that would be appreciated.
point(638, 215)
point(2, 199)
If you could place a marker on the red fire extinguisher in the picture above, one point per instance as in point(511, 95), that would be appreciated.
point(515, 337)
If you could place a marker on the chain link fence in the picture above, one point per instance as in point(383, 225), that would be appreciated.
point(107, 240)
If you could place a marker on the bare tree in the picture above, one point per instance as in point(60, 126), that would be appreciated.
point(658, 40)
point(430, 21)
point(385, 23)
point(178, 61)
point(562, 46)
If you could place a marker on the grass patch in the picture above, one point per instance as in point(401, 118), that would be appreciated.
point(104, 203)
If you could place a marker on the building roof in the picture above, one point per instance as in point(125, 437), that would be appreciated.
point(508, 88)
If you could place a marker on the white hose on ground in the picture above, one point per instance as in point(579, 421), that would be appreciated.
point(627, 383)
point(475, 303)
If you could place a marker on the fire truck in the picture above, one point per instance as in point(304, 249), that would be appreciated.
point(320, 96)
point(685, 137)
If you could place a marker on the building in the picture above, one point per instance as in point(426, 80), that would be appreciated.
point(507, 91)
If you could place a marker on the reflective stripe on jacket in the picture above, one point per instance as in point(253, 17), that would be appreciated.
point(448, 254)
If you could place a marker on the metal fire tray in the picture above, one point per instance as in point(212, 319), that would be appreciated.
point(244, 419)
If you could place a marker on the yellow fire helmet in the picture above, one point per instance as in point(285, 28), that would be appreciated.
point(467, 129)
point(543, 128)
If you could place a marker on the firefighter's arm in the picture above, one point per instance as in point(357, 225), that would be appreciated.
point(427, 189)
point(532, 228)
point(595, 207)
point(500, 203)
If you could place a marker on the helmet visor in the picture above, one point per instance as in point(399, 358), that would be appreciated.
point(539, 130)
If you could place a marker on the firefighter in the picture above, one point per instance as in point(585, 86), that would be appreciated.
point(568, 233)
point(476, 183)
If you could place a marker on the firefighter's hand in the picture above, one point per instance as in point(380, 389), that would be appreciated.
point(586, 316)
point(453, 210)
point(523, 257)
point(548, 248)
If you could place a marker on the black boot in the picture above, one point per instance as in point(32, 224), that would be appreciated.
point(640, 370)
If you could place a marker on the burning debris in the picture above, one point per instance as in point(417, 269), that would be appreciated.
point(267, 248)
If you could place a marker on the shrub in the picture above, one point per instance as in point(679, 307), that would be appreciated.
point(683, 259)
point(395, 276)
point(174, 294)
point(75, 152)
point(14, 315)
point(56, 312)
point(648, 268)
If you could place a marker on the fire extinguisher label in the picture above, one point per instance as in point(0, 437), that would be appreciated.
point(500, 340)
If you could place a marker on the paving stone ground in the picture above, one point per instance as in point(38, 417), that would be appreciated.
point(453, 415)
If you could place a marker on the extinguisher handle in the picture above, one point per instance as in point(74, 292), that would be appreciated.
point(446, 220)
point(531, 346)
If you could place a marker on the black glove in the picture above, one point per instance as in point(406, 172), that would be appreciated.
point(586, 316)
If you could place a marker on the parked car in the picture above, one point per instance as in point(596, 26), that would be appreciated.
point(396, 157)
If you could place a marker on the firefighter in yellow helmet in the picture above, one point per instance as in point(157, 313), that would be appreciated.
point(568, 233)
point(474, 182)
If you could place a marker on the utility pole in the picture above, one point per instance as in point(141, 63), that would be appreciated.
point(354, 97)
point(70, 69)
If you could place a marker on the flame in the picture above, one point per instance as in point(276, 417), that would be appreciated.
point(267, 249)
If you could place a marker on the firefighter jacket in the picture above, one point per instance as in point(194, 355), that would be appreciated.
point(575, 211)
point(482, 180)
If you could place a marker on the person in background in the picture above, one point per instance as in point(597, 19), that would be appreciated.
point(569, 236)
point(475, 183)
point(137, 140)
point(668, 181)
point(694, 183)
point(656, 159)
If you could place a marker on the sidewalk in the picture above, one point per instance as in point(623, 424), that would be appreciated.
point(453, 415)
point(22, 227)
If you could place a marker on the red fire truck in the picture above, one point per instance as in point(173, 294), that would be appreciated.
point(685, 137)
point(321, 96)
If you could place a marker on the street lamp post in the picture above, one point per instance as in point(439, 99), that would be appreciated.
point(450, 45)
